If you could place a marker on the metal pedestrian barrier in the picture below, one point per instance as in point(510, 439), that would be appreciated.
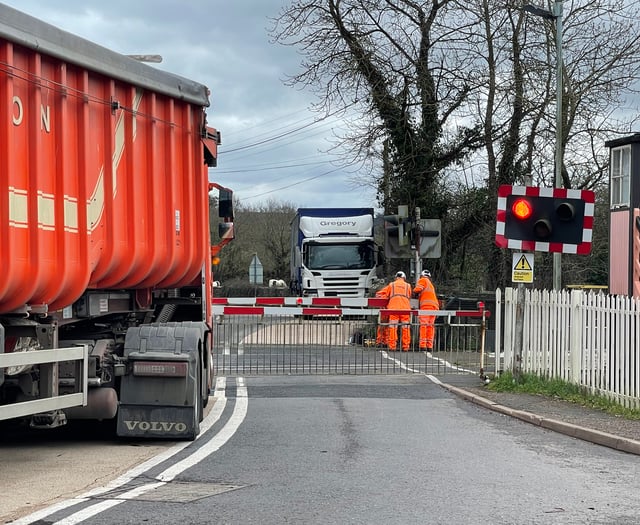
point(303, 338)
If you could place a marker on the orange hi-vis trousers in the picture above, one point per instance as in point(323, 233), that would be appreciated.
point(381, 334)
point(427, 331)
point(392, 332)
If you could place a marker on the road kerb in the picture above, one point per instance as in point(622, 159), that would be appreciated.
point(598, 437)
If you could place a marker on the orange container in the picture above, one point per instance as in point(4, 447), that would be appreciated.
point(103, 181)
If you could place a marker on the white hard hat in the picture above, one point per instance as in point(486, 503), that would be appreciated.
point(401, 274)
point(425, 273)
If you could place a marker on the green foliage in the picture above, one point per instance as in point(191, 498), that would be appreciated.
point(559, 389)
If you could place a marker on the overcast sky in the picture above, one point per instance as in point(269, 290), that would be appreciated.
point(271, 148)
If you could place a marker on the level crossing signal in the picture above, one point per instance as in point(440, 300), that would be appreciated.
point(398, 228)
point(545, 219)
point(396, 236)
point(401, 237)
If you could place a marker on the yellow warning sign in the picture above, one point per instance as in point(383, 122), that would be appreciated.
point(522, 264)
point(522, 268)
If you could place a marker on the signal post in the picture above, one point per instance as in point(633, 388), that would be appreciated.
point(538, 219)
point(411, 238)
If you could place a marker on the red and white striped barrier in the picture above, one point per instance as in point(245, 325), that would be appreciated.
point(349, 302)
point(324, 307)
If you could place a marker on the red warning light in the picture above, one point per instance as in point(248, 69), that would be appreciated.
point(558, 220)
point(522, 209)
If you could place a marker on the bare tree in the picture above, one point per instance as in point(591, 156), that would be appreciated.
point(400, 66)
point(271, 226)
point(263, 230)
point(601, 67)
point(457, 97)
point(386, 63)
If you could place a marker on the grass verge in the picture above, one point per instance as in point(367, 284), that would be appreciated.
point(559, 389)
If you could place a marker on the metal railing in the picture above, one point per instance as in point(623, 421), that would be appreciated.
point(47, 360)
point(336, 344)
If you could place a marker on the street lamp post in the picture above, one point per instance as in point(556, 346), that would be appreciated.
point(556, 15)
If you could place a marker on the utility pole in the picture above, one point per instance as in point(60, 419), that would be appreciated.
point(556, 15)
point(417, 238)
point(518, 340)
point(557, 12)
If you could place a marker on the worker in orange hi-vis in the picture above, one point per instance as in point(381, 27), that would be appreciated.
point(381, 334)
point(426, 293)
point(398, 293)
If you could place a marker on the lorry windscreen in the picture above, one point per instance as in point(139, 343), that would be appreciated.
point(360, 256)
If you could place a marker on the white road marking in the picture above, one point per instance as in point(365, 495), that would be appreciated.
point(446, 364)
point(214, 444)
point(236, 419)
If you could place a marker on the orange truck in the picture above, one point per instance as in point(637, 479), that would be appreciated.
point(105, 249)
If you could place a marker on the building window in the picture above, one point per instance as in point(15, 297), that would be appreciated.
point(620, 176)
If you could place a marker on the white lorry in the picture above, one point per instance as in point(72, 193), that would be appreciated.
point(333, 252)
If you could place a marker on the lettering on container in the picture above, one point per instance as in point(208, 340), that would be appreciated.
point(19, 198)
point(18, 114)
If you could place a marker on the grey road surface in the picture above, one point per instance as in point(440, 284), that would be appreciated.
point(376, 450)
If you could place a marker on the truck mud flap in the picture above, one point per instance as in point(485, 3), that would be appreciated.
point(160, 395)
point(157, 422)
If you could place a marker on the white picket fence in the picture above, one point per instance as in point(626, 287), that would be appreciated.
point(586, 338)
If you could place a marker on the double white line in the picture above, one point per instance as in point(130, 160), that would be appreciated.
point(229, 429)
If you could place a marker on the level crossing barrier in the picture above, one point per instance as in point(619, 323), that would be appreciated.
point(293, 335)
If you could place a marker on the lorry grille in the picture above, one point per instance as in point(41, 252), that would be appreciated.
point(340, 286)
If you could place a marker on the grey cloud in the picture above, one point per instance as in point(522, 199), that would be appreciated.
point(225, 46)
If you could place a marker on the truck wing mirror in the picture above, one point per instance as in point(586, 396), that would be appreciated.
point(225, 204)
point(226, 230)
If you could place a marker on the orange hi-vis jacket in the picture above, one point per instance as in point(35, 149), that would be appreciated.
point(427, 294)
point(399, 294)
